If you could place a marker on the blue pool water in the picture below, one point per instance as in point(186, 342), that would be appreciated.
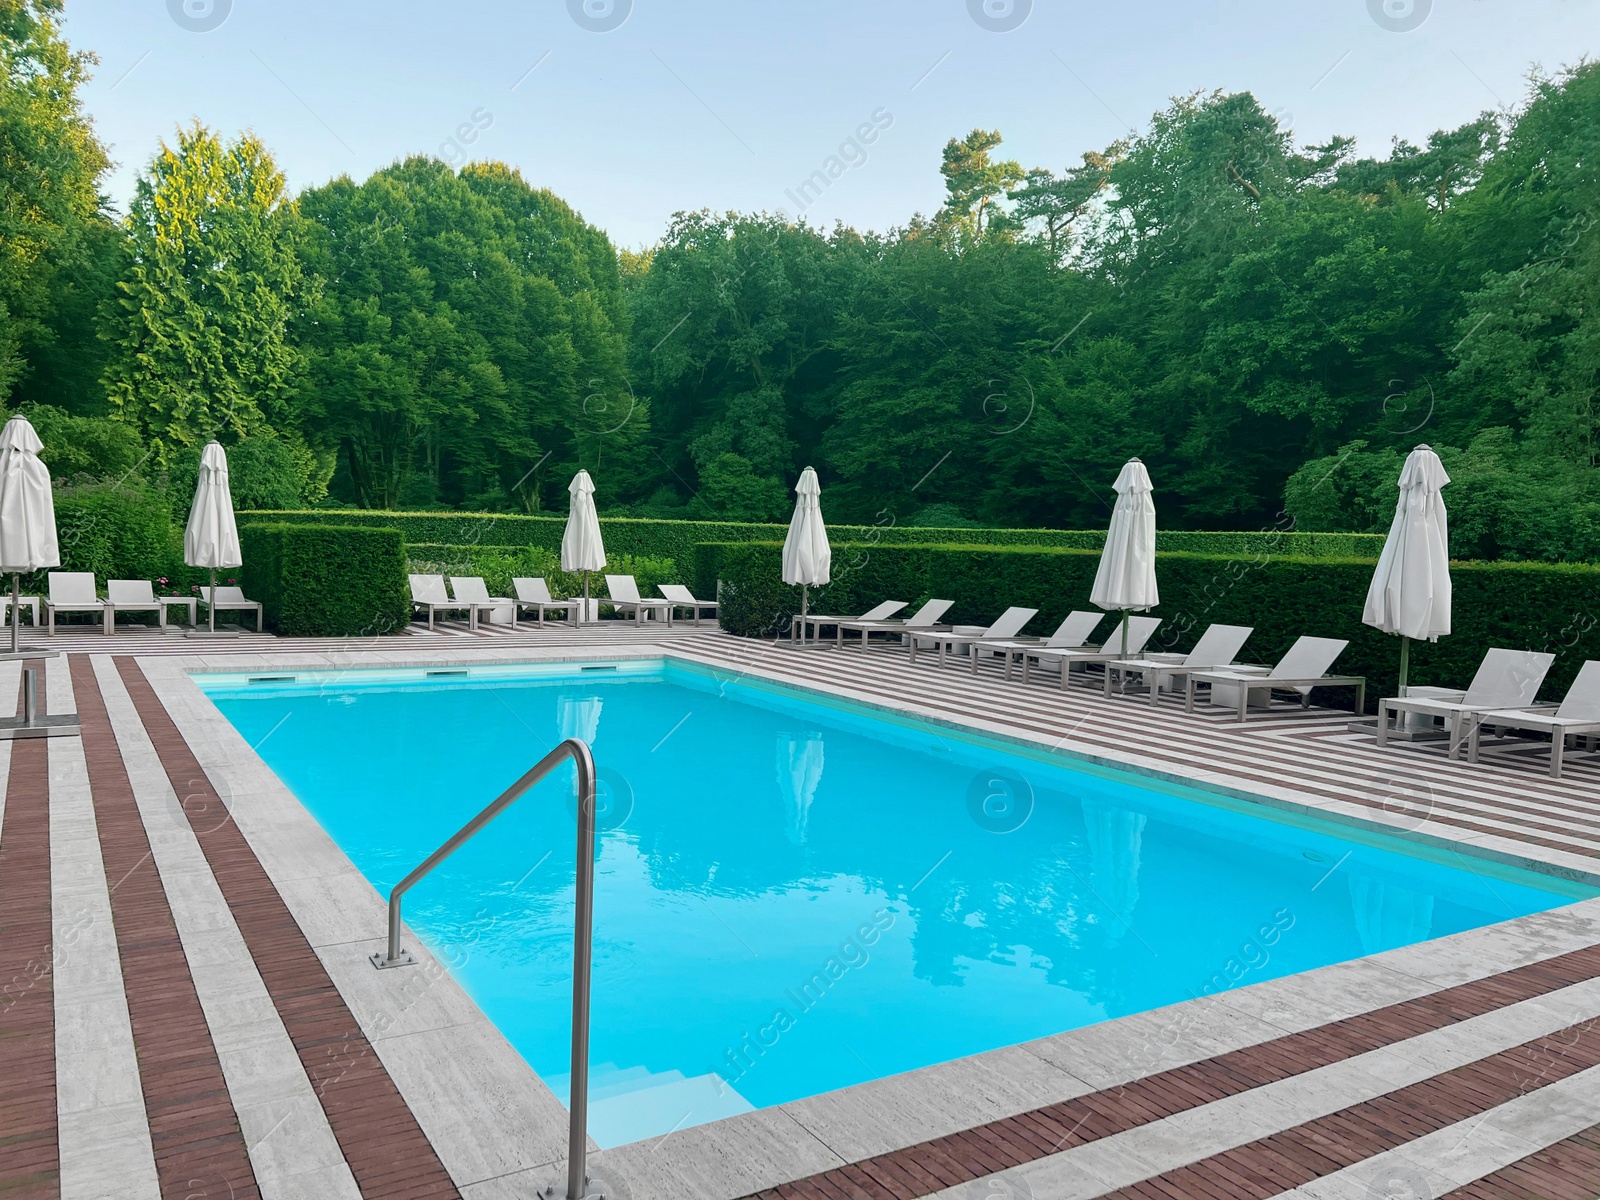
point(794, 895)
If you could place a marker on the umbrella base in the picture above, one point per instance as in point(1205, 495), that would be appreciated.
point(1401, 733)
point(28, 652)
point(65, 725)
point(212, 633)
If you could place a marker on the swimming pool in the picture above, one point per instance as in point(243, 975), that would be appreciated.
point(794, 894)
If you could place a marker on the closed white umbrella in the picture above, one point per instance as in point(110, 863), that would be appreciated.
point(1410, 592)
point(581, 547)
point(211, 538)
point(27, 511)
point(1126, 580)
point(807, 557)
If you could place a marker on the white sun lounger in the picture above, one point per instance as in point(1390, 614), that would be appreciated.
point(1506, 679)
point(132, 596)
point(622, 594)
point(1304, 667)
point(474, 593)
point(682, 597)
point(1218, 646)
point(1140, 631)
point(1578, 716)
point(926, 617)
point(1072, 634)
point(1008, 625)
point(231, 599)
point(427, 593)
point(535, 594)
point(73, 591)
point(811, 625)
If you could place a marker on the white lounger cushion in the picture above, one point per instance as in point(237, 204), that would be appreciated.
point(1507, 679)
point(128, 593)
point(536, 591)
point(623, 587)
point(1218, 646)
point(73, 587)
point(428, 589)
point(1582, 702)
point(1308, 658)
point(470, 589)
point(1075, 630)
point(679, 594)
point(1011, 622)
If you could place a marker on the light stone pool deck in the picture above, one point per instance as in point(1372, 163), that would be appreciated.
point(1087, 1113)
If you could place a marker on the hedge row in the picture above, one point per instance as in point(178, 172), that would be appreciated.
point(676, 540)
point(1527, 606)
point(326, 580)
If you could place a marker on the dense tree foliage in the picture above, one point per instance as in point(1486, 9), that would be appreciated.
point(54, 240)
point(1270, 325)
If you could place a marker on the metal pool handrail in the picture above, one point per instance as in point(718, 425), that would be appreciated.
point(582, 934)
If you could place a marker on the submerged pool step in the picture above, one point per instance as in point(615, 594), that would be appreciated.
point(627, 1104)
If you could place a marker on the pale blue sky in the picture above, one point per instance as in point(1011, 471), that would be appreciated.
point(691, 104)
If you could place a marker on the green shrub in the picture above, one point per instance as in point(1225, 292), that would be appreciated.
point(676, 540)
point(498, 565)
point(1529, 606)
point(326, 581)
point(117, 532)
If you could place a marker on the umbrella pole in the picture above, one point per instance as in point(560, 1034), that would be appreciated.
point(1405, 663)
point(1124, 633)
point(16, 613)
point(805, 594)
point(583, 618)
point(211, 601)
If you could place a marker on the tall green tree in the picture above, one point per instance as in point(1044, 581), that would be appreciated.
point(199, 330)
point(975, 179)
point(466, 344)
point(52, 227)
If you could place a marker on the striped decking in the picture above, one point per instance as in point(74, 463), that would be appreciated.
point(127, 898)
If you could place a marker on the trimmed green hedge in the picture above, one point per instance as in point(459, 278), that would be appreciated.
point(498, 565)
point(676, 540)
point(326, 580)
point(1526, 606)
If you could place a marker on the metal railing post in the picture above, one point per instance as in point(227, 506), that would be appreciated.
point(582, 933)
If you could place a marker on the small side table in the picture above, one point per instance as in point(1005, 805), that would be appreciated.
point(32, 603)
point(189, 602)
